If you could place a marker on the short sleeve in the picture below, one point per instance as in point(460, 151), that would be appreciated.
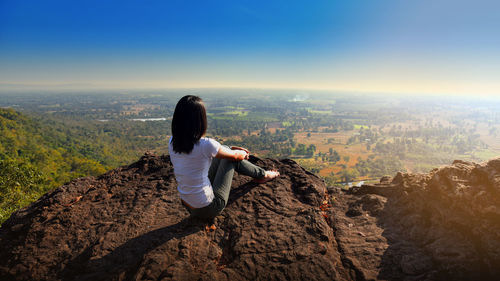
point(211, 147)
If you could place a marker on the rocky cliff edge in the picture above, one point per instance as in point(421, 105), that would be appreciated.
point(129, 224)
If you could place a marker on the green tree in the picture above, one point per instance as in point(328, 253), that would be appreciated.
point(20, 183)
point(301, 149)
point(348, 175)
point(310, 150)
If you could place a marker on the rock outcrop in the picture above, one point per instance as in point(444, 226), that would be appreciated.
point(129, 224)
point(444, 225)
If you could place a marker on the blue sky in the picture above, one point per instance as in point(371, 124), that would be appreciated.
point(438, 46)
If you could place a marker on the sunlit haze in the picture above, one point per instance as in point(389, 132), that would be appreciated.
point(407, 47)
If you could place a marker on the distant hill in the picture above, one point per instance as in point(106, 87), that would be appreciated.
point(38, 154)
point(129, 224)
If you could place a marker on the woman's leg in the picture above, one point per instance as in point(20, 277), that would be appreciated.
point(221, 176)
point(223, 179)
point(243, 167)
point(224, 171)
point(246, 168)
point(213, 169)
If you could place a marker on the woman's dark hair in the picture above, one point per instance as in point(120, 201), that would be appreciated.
point(189, 123)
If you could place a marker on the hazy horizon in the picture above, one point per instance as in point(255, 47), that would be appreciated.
point(209, 91)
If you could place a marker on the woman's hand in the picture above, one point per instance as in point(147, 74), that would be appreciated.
point(235, 155)
point(241, 155)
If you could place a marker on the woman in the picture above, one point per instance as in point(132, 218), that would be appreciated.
point(202, 166)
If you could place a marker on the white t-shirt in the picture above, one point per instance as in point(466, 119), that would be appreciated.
point(191, 172)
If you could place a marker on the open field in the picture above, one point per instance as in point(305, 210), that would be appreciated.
point(492, 140)
point(415, 135)
point(321, 140)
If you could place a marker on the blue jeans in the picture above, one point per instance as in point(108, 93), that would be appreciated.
point(221, 176)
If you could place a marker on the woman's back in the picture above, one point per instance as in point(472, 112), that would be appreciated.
point(191, 172)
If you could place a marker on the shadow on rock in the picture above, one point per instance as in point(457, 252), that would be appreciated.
point(124, 259)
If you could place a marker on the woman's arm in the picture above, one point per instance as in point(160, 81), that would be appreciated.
point(235, 155)
point(240, 148)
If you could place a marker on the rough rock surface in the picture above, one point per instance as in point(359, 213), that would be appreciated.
point(444, 225)
point(129, 224)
